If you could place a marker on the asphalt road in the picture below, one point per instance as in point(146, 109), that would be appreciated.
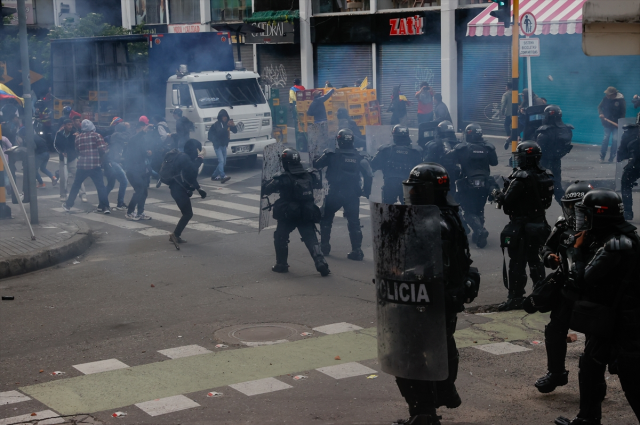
point(132, 295)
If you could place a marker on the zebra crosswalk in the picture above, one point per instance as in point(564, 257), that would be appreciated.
point(225, 211)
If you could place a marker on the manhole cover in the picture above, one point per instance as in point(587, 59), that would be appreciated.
point(261, 333)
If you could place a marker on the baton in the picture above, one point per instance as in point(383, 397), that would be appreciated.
point(610, 122)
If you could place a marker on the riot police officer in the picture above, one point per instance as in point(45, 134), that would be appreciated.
point(396, 161)
point(528, 193)
point(629, 149)
point(557, 254)
point(295, 208)
point(554, 138)
point(475, 156)
point(428, 184)
point(436, 150)
point(346, 170)
point(606, 269)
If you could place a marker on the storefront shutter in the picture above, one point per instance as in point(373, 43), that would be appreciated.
point(279, 65)
point(246, 53)
point(407, 65)
point(343, 65)
point(486, 69)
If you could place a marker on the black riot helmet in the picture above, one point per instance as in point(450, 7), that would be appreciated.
point(473, 133)
point(552, 115)
point(574, 194)
point(428, 184)
point(291, 161)
point(527, 155)
point(401, 135)
point(599, 209)
point(345, 139)
point(445, 130)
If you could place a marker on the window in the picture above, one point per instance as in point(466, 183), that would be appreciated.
point(230, 10)
point(185, 95)
point(403, 4)
point(335, 6)
point(467, 2)
point(151, 12)
point(217, 94)
point(184, 11)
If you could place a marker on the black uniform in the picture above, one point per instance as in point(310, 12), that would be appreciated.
point(395, 161)
point(437, 150)
point(629, 149)
point(608, 274)
point(295, 208)
point(461, 286)
point(554, 138)
point(346, 169)
point(475, 183)
point(528, 193)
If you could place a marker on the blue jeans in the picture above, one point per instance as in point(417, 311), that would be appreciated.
point(221, 154)
point(425, 118)
point(41, 164)
point(613, 132)
point(95, 174)
point(116, 173)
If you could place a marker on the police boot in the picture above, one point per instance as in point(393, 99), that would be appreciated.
point(325, 236)
point(446, 392)
point(511, 304)
point(481, 240)
point(593, 389)
point(551, 381)
point(321, 264)
point(282, 254)
point(356, 253)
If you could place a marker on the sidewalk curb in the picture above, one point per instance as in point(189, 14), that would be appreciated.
point(46, 257)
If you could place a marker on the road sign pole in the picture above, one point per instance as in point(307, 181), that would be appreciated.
point(529, 80)
point(515, 34)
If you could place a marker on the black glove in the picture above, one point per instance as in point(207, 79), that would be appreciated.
point(507, 143)
point(189, 193)
point(472, 285)
point(202, 193)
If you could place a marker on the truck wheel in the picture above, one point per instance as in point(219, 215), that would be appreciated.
point(250, 161)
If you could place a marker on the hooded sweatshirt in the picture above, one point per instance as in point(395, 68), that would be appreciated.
point(219, 131)
point(90, 146)
point(117, 143)
point(612, 109)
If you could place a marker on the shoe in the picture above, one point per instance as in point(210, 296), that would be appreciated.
point(143, 216)
point(611, 159)
point(420, 420)
point(63, 198)
point(179, 239)
point(601, 158)
point(322, 267)
point(225, 179)
point(158, 184)
point(132, 216)
point(628, 215)
point(356, 255)
point(215, 179)
point(120, 207)
point(511, 304)
point(65, 207)
point(326, 248)
point(280, 268)
point(84, 198)
point(175, 240)
point(54, 181)
point(451, 400)
point(551, 381)
point(41, 185)
point(481, 240)
point(103, 210)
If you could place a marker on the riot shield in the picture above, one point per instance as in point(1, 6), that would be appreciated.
point(427, 132)
point(378, 135)
point(620, 165)
point(319, 140)
point(412, 340)
point(271, 166)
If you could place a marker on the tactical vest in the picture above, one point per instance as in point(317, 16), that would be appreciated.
point(400, 160)
point(344, 169)
point(538, 187)
point(554, 141)
point(475, 160)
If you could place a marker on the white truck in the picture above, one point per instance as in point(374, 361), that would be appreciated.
point(201, 95)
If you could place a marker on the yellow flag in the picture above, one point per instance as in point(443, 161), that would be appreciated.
point(5, 92)
point(365, 83)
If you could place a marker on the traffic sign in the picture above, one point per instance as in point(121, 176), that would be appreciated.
point(529, 47)
point(528, 23)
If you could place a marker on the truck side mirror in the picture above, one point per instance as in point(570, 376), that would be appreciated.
point(176, 97)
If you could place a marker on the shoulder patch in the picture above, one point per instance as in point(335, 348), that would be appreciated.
point(618, 243)
point(521, 174)
point(383, 147)
point(543, 128)
point(490, 146)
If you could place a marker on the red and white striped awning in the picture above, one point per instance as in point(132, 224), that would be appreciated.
point(552, 16)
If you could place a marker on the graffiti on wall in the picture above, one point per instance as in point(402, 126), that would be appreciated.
point(275, 75)
point(423, 74)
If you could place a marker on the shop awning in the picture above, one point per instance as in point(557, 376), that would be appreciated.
point(553, 17)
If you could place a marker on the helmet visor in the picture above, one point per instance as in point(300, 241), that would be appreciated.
point(418, 193)
point(584, 217)
point(519, 160)
point(569, 212)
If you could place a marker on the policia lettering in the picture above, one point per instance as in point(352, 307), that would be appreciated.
point(399, 292)
point(395, 161)
point(349, 176)
point(526, 197)
point(295, 208)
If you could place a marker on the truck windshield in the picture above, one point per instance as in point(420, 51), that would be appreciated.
point(216, 94)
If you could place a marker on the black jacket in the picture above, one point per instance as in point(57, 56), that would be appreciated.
point(612, 109)
point(219, 134)
point(136, 155)
point(187, 172)
point(66, 144)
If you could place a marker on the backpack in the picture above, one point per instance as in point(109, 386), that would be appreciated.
point(166, 173)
